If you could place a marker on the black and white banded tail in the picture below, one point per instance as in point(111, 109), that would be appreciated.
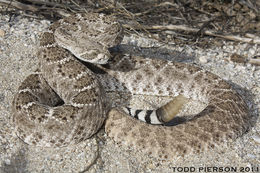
point(161, 115)
point(148, 116)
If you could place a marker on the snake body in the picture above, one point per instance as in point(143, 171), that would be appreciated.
point(65, 102)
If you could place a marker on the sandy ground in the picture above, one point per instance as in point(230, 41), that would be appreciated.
point(18, 46)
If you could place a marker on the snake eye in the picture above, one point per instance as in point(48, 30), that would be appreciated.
point(102, 58)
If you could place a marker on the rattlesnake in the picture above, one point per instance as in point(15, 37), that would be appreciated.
point(65, 101)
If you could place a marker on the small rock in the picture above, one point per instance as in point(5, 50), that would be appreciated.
point(251, 51)
point(256, 139)
point(2, 33)
point(251, 156)
point(203, 59)
point(150, 166)
point(8, 162)
point(237, 58)
point(256, 89)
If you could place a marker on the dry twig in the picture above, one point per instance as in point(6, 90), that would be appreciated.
point(255, 61)
point(255, 40)
point(159, 5)
point(19, 5)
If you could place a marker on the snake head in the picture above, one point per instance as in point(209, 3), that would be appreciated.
point(88, 37)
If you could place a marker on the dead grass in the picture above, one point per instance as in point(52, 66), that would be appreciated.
point(180, 21)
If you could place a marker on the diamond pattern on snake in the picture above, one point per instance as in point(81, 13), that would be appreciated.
point(65, 102)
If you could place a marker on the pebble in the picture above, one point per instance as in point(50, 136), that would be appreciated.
point(251, 156)
point(8, 162)
point(237, 58)
point(203, 59)
point(2, 33)
point(256, 139)
point(150, 166)
point(251, 51)
point(256, 89)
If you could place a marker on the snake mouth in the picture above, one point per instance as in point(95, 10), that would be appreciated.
point(101, 59)
point(94, 56)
